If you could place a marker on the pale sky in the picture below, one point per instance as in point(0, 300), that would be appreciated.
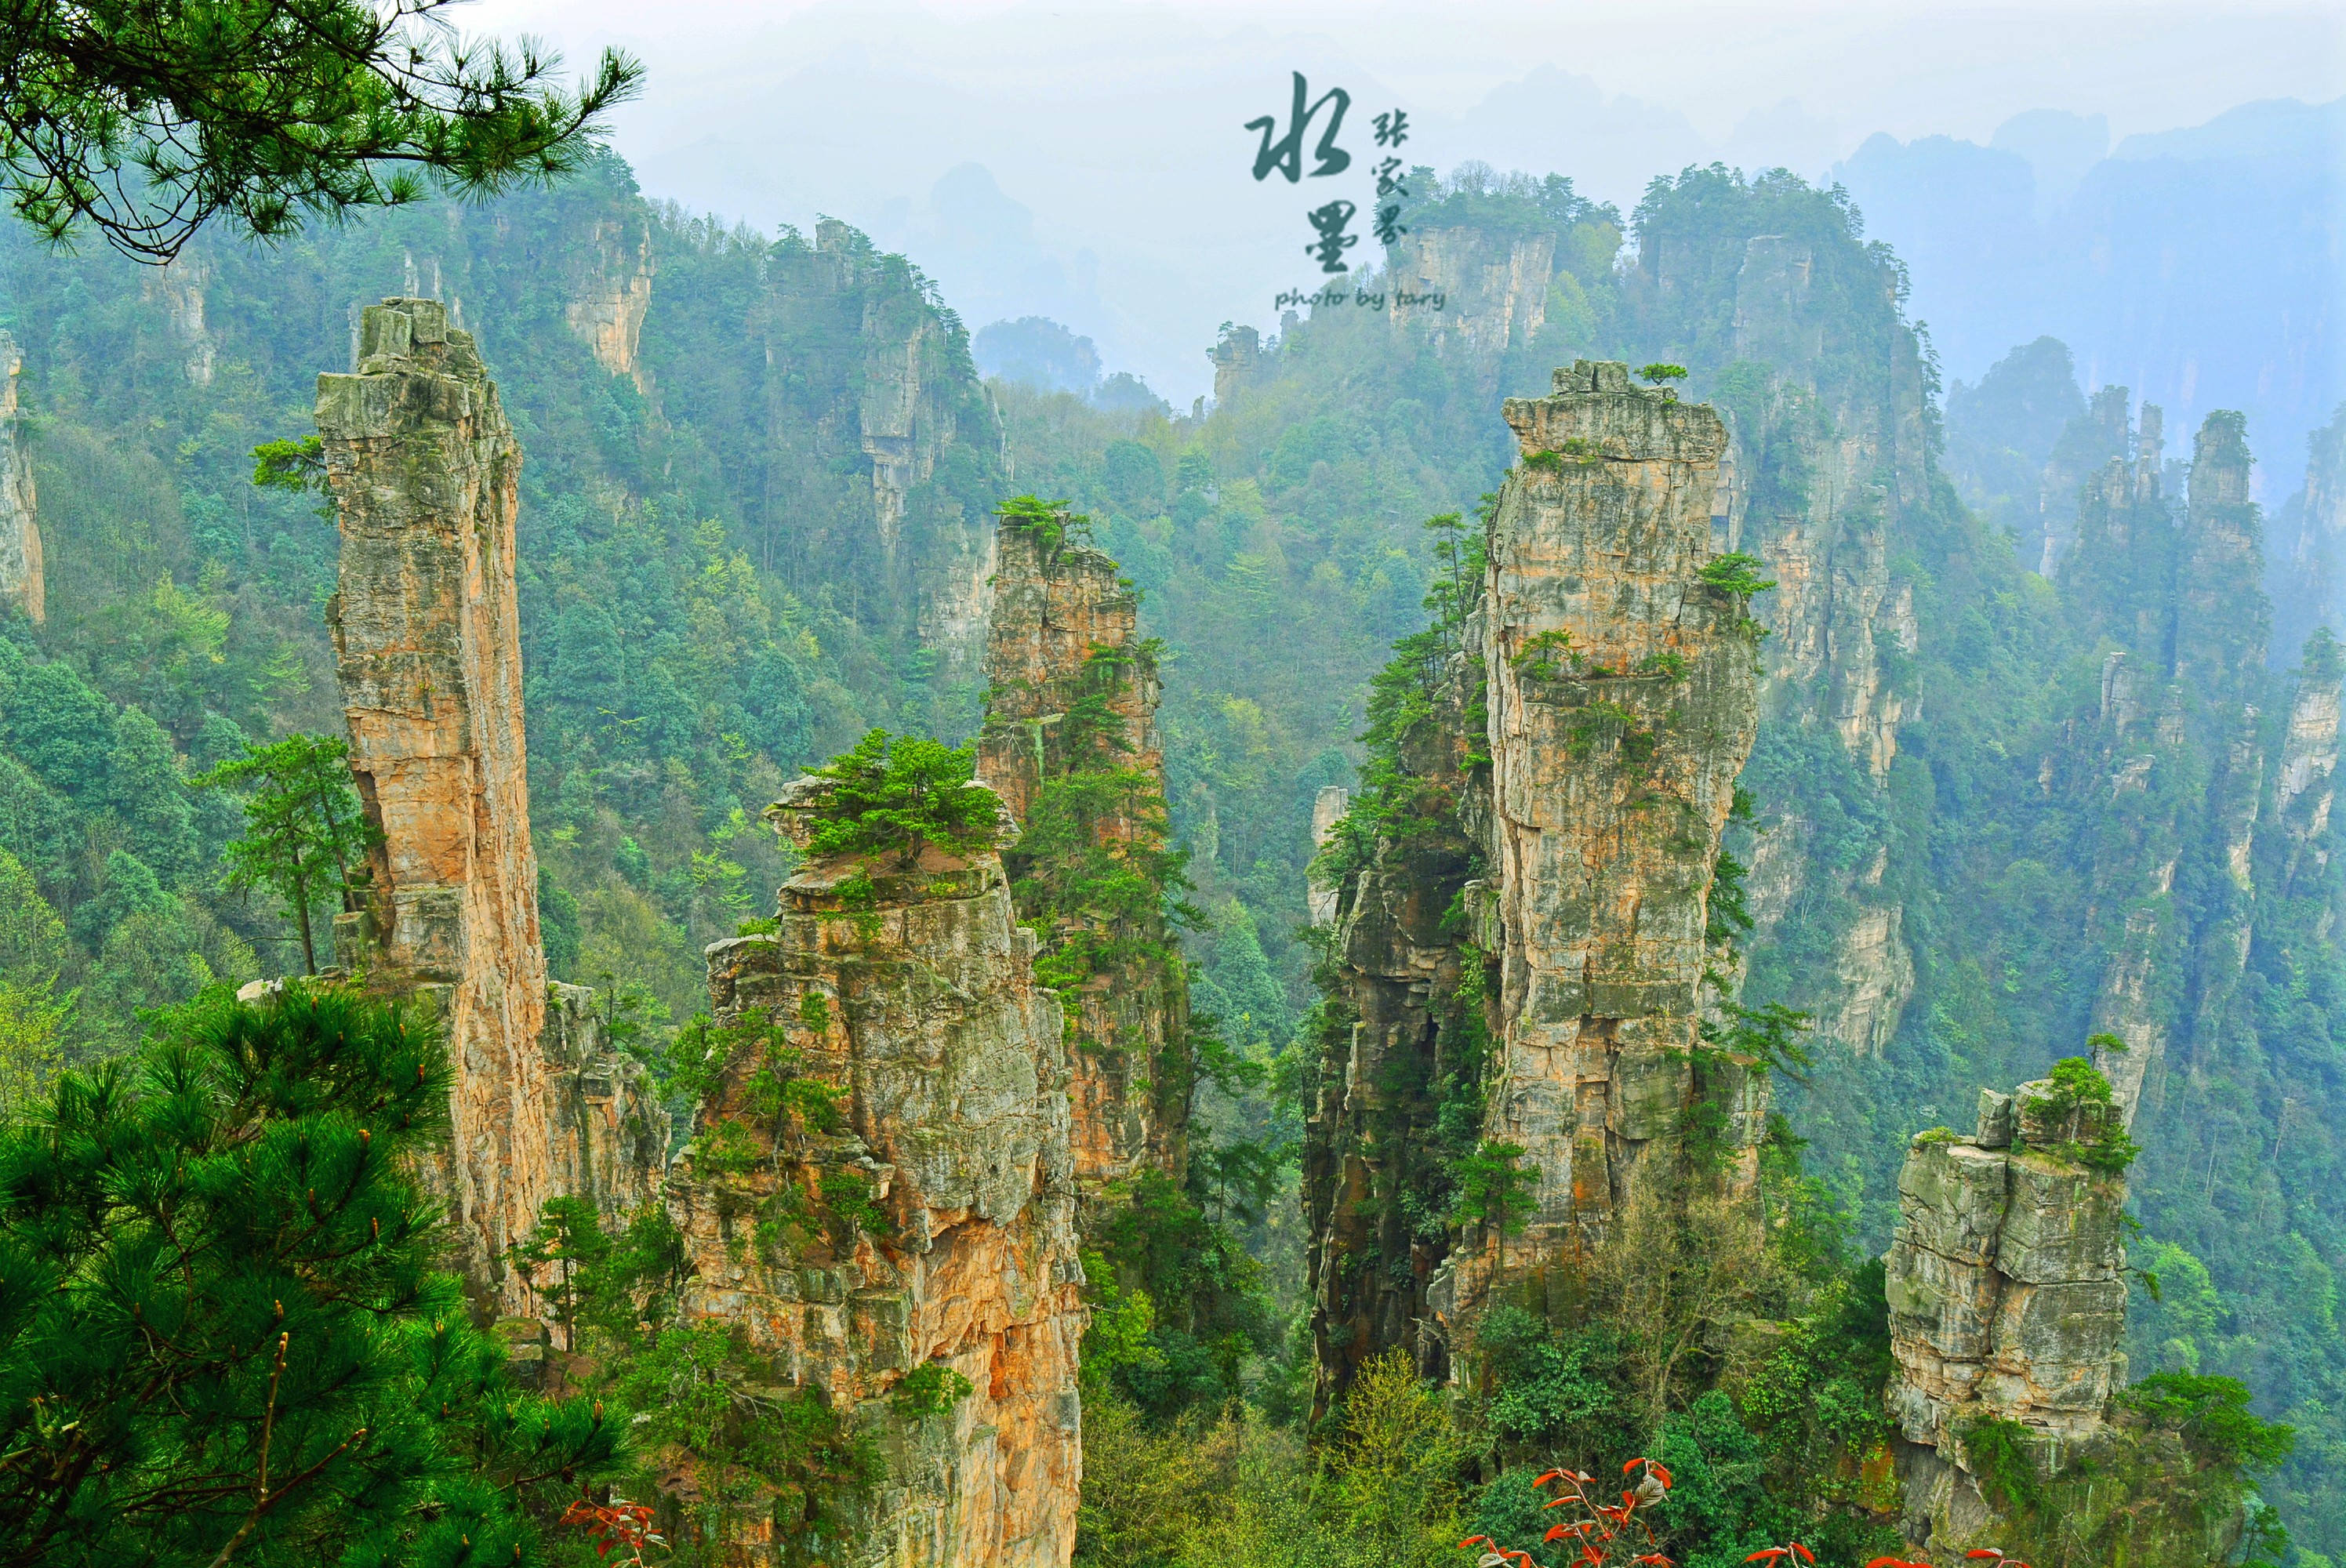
point(1119, 200)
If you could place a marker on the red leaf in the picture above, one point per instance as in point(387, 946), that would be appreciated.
point(1561, 1530)
point(1631, 1465)
point(1546, 1476)
point(1770, 1555)
point(1806, 1556)
point(1471, 1540)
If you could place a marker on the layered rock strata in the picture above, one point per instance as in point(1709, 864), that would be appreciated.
point(1622, 707)
point(1527, 945)
point(22, 577)
point(1072, 690)
point(1474, 293)
point(2007, 1300)
point(913, 1000)
point(422, 466)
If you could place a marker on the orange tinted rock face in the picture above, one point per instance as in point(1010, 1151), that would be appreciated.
point(423, 465)
point(920, 1009)
point(1622, 707)
point(1064, 653)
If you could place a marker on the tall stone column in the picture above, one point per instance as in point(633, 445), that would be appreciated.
point(1622, 708)
point(21, 579)
point(422, 466)
point(1063, 640)
point(909, 991)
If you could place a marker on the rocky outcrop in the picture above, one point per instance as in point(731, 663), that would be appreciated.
point(1071, 706)
point(933, 1226)
point(2008, 1302)
point(1521, 959)
point(1235, 354)
point(610, 291)
point(2222, 622)
point(178, 286)
point(1328, 809)
point(2086, 445)
point(21, 579)
point(1622, 707)
point(1406, 1031)
point(1475, 294)
point(883, 458)
point(422, 467)
point(2308, 782)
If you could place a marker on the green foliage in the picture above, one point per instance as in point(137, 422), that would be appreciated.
point(899, 794)
point(305, 834)
point(1662, 373)
point(297, 466)
point(755, 1447)
point(2213, 1417)
point(320, 108)
point(1736, 574)
point(1050, 522)
point(2076, 1083)
point(931, 1388)
point(1537, 659)
point(222, 1325)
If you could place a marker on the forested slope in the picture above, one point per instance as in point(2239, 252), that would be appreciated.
point(755, 521)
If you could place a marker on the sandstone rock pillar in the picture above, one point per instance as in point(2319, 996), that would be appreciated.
point(2007, 1300)
point(1072, 688)
point(422, 467)
point(912, 996)
point(21, 580)
point(1622, 707)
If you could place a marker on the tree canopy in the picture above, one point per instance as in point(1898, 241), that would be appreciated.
point(146, 119)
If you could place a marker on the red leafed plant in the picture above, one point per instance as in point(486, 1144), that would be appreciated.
point(1790, 1554)
point(627, 1525)
point(1606, 1533)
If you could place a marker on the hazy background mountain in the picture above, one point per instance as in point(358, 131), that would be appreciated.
point(2156, 189)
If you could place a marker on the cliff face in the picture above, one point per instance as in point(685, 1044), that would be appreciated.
point(422, 466)
point(178, 287)
point(2007, 1300)
point(1407, 1031)
point(1524, 951)
point(1491, 289)
point(21, 578)
point(1826, 463)
point(1071, 711)
point(611, 290)
point(1622, 707)
point(956, 1248)
point(884, 455)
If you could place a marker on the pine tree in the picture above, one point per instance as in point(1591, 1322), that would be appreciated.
point(222, 1334)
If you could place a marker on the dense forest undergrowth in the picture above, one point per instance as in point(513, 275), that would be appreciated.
point(717, 595)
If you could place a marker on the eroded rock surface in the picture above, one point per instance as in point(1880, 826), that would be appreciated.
point(917, 1002)
point(2007, 1300)
point(21, 578)
point(1622, 707)
point(1073, 688)
point(422, 466)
